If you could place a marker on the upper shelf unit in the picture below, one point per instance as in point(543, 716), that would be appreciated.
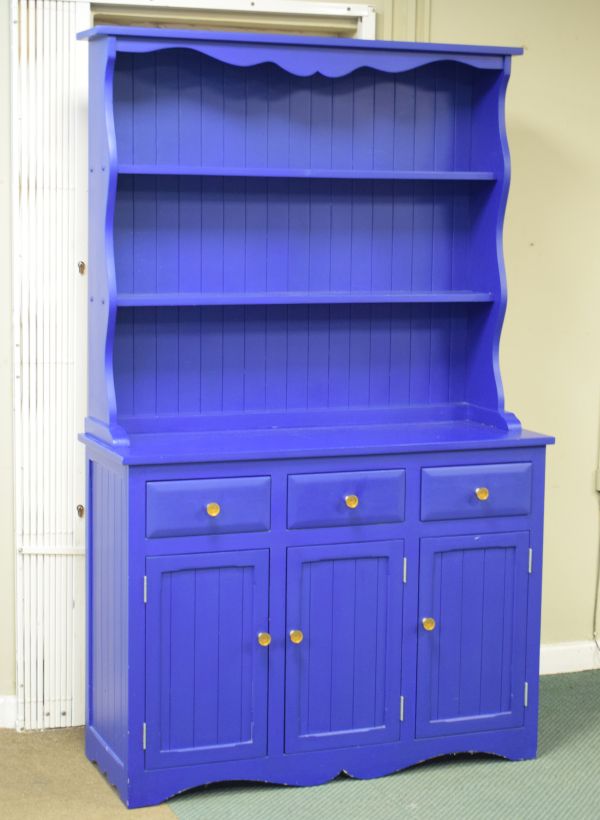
point(288, 233)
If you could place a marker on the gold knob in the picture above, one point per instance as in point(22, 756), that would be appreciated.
point(213, 509)
point(264, 638)
point(482, 493)
point(428, 624)
point(296, 635)
point(351, 501)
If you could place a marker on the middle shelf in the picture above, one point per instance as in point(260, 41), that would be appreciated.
point(302, 298)
point(267, 172)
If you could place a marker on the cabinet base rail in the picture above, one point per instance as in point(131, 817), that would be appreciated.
point(149, 787)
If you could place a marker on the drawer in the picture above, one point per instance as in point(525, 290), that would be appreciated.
point(452, 492)
point(346, 499)
point(208, 506)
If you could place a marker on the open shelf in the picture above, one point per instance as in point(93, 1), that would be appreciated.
point(301, 298)
point(307, 173)
point(273, 238)
point(275, 365)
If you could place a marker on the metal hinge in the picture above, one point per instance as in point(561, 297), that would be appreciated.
point(401, 707)
point(145, 589)
point(530, 565)
point(404, 569)
point(144, 736)
point(526, 694)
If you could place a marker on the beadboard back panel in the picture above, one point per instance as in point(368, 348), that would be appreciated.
point(178, 106)
point(288, 358)
point(186, 234)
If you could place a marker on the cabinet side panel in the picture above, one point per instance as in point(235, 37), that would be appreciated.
point(108, 618)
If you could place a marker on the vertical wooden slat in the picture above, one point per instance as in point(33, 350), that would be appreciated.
point(343, 600)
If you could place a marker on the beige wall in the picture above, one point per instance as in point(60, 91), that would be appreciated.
point(551, 343)
point(550, 353)
point(7, 565)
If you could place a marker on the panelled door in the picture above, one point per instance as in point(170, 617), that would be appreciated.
point(206, 681)
point(472, 633)
point(343, 645)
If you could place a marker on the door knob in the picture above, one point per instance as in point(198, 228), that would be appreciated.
point(213, 509)
point(428, 624)
point(482, 493)
point(264, 638)
point(296, 635)
point(351, 501)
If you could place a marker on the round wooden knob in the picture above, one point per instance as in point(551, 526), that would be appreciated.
point(482, 493)
point(351, 501)
point(428, 624)
point(213, 509)
point(264, 638)
point(296, 636)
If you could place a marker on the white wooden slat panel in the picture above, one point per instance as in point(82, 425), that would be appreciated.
point(49, 117)
point(49, 92)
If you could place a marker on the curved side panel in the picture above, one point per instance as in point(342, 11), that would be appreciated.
point(102, 412)
point(330, 61)
point(485, 393)
point(512, 422)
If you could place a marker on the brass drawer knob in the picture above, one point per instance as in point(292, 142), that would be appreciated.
point(351, 501)
point(296, 635)
point(264, 638)
point(482, 493)
point(213, 509)
point(428, 624)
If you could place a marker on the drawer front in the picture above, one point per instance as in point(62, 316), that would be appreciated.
point(460, 492)
point(329, 499)
point(182, 507)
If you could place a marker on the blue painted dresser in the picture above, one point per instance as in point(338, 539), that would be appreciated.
point(314, 533)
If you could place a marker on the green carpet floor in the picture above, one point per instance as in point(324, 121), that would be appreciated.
point(564, 781)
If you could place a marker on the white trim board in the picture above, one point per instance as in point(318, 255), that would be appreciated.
point(357, 20)
point(8, 711)
point(574, 656)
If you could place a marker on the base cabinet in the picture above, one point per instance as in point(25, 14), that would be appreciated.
point(290, 654)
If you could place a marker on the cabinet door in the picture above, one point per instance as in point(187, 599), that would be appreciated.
point(343, 678)
point(206, 675)
point(471, 664)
